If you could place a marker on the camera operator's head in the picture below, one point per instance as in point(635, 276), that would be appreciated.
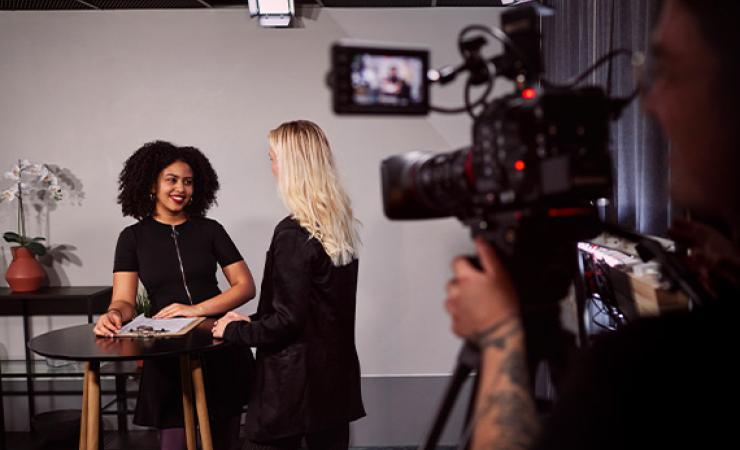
point(694, 94)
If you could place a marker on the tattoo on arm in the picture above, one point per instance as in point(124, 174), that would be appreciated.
point(507, 418)
point(515, 420)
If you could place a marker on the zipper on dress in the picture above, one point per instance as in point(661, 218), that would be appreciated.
point(182, 269)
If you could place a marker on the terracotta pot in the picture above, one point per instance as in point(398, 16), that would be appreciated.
point(24, 274)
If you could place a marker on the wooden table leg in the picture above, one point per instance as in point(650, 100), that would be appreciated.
point(2, 414)
point(92, 373)
point(201, 405)
point(83, 416)
point(187, 401)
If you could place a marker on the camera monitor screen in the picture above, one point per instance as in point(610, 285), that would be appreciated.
point(374, 80)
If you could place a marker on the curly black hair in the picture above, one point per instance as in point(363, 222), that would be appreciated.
point(141, 170)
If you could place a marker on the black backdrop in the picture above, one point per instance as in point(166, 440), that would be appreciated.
point(573, 39)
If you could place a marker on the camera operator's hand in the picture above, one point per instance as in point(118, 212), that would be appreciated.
point(477, 300)
point(485, 310)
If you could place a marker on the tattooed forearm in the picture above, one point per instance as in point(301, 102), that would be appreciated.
point(515, 367)
point(506, 414)
point(513, 417)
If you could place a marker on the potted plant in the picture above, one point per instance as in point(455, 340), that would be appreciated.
point(143, 304)
point(24, 273)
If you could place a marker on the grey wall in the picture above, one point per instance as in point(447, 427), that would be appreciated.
point(83, 90)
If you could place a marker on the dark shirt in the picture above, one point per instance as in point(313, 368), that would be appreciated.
point(307, 373)
point(668, 382)
point(149, 248)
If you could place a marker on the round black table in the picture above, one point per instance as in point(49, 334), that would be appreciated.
point(79, 343)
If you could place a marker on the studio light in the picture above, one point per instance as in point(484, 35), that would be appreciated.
point(272, 13)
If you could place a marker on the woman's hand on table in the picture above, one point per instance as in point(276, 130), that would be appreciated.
point(178, 310)
point(108, 324)
point(220, 325)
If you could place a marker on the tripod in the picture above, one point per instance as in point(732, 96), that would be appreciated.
point(468, 360)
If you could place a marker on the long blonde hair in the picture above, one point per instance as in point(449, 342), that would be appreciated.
point(309, 187)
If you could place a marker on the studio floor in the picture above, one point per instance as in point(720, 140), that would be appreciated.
point(133, 440)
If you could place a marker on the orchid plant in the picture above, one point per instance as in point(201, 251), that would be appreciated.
point(30, 181)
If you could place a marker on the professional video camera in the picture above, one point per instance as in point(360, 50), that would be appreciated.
point(529, 184)
point(539, 161)
point(540, 155)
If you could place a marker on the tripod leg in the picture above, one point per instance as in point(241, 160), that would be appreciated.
point(467, 360)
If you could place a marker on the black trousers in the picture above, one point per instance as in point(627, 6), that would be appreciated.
point(332, 439)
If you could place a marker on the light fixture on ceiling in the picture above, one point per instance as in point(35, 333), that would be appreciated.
point(272, 13)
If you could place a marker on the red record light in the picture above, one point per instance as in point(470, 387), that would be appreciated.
point(519, 165)
point(529, 93)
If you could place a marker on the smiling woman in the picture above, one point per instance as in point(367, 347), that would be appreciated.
point(174, 250)
point(144, 173)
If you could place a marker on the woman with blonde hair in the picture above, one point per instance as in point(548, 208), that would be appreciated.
point(307, 383)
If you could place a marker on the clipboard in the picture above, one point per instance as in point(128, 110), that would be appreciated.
point(144, 327)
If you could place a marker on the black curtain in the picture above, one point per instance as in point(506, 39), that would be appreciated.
point(578, 34)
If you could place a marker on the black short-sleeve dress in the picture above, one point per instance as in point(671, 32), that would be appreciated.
point(177, 264)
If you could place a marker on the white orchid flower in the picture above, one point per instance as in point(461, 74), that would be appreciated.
point(42, 171)
point(35, 170)
point(14, 174)
point(34, 180)
point(48, 177)
point(26, 189)
point(8, 195)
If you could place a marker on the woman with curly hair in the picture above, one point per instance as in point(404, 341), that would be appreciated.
point(307, 379)
point(174, 250)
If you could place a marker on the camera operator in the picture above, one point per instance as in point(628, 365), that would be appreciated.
point(658, 382)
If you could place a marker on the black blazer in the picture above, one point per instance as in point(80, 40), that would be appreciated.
point(308, 375)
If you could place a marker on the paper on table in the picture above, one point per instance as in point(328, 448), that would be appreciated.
point(158, 326)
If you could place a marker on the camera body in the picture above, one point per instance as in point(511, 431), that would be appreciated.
point(535, 153)
point(539, 156)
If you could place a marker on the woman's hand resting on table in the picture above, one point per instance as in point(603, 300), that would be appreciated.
point(220, 325)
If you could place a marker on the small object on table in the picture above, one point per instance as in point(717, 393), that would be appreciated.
point(142, 326)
